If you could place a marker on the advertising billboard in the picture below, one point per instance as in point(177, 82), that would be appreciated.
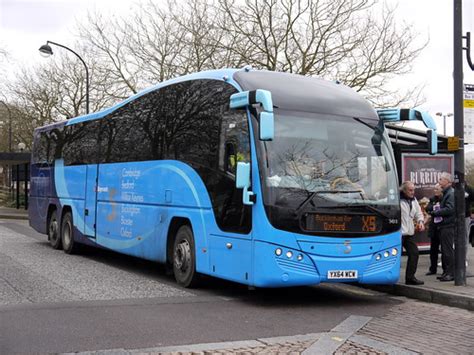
point(424, 171)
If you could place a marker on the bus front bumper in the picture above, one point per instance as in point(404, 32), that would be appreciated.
point(280, 266)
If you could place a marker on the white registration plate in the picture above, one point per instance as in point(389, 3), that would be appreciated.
point(342, 274)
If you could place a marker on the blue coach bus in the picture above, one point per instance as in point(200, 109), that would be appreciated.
point(263, 178)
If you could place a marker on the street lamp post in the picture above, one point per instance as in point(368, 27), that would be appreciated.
point(444, 119)
point(47, 51)
point(460, 239)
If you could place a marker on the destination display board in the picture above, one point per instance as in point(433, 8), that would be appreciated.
point(341, 223)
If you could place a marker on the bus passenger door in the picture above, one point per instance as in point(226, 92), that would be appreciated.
point(231, 244)
point(90, 209)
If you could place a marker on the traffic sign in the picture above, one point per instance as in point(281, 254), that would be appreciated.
point(468, 103)
point(453, 143)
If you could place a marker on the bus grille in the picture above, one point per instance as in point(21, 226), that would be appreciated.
point(381, 265)
point(297, 266)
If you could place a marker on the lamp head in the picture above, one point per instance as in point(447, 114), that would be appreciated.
point(45, 50)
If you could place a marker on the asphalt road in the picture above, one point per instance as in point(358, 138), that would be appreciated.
point(54, 302)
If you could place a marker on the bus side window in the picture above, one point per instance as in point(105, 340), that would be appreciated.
point(56, 142)
point(40, 148)
point(81, 143)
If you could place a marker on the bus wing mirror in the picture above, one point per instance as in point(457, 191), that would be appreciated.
point(267, 126)
point(242, 178)
point(246, 98)
point(242, 181)
point(265, 118)
point(397, 115)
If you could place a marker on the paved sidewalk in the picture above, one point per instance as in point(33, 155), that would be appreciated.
point(13, 213)
point(434, 290)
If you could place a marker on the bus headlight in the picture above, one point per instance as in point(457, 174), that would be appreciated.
point(278, 252)
point(386, 254)
point(378, 257)
point(289, 254)
point(394, 251)
point(299, 257)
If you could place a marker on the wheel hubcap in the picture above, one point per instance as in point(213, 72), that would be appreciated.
point(53, 229)
point(182, 256)
point(67, 234)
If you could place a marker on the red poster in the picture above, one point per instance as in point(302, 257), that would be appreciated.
point(424, 171)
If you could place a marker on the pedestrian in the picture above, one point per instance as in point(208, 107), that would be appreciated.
point(411, 217)
point(469, 193)
point(433, 232)
point(446, 225)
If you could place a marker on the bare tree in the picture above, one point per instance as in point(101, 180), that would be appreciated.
point(145, 48)
point(206, 39)
point(4, 57)
point(53, 91)
point(156, 43)
point(106, 40)
point(355, 42)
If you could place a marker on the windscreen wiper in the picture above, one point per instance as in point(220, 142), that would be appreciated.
point(369, 207)
point(311, 196)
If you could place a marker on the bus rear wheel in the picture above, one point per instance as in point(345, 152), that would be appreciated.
point(184, 258)
point(67, 236)
point(54, 236)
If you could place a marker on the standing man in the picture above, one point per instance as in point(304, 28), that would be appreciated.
point(469, 193)
point(411, 215)
point(433, 232)
point(446, 225)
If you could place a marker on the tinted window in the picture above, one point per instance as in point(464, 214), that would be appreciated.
point(132, 132)
point(56, 143)
point(193, 113)
point(202, 131)
point(180, 122)
point(80, 145)
point(47, 146)
point(40, 148)
point(190, 122)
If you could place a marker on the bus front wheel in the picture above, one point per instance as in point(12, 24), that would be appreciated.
point(67, 237)
point(54, 235)
point(184, 259)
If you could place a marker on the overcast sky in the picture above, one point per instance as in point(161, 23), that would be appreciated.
point(26, 24)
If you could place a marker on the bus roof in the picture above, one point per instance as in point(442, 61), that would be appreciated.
point(302, 93)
